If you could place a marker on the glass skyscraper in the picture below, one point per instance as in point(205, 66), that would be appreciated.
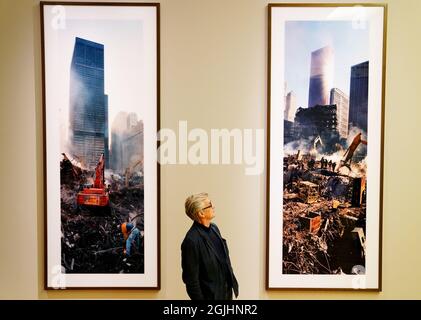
point(88, 103)
point(358, 96)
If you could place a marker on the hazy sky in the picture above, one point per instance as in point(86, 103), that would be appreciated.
point(350, 47)
point(123, 65)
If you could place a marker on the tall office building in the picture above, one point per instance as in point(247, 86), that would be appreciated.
point(126, 142)
point(118, 127)
point(321, 76)
point(290, 106)
point(341, 100)
point(132, 142)
point(88, 103)
point(289, 131)
point(358, 96)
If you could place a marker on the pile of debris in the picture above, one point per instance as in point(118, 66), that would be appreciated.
point(70, 172)
point(305, 251)
point(323, 218)
point(129, 204)
point(319, 239)
point(91, 240)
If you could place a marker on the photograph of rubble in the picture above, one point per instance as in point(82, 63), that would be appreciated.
point(101, 124)
point(325, 159)
point(325, 147)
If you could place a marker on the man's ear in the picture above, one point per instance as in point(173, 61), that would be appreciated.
point(200, 213)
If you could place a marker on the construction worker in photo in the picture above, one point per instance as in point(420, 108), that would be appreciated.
point(132, 237)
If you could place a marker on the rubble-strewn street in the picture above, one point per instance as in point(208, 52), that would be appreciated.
point(92, 241)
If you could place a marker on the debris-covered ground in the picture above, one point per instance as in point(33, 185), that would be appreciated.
point(91, 240)
point(323, 227)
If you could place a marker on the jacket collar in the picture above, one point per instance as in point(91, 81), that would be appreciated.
point(204, 234)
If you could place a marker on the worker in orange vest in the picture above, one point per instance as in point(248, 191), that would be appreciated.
point(131, 236)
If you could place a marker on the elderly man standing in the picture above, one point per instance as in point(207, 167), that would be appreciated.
point(207, 271)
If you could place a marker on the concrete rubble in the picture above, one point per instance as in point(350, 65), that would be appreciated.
point(323, 217)
point(91, 239)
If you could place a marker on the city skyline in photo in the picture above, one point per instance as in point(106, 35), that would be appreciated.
point(338, 44)
point(123, 61)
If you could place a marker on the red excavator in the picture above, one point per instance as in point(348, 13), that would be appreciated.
point(95, 195)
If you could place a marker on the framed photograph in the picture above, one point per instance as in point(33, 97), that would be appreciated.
point(100, 64)
point(325, 146)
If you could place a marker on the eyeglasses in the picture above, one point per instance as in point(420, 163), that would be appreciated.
point(210, 206)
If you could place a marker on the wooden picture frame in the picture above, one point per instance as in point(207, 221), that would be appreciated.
point(326, 82)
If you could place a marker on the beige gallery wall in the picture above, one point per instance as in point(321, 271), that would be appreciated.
point(213, 75)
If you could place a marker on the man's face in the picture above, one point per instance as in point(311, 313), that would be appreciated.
point(209, 210)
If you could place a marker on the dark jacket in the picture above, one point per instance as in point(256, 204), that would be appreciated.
point(204, 272)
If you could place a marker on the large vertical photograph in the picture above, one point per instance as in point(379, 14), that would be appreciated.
point(325, 153)
point(325, 147)
point(101, 120)
point(101, 173)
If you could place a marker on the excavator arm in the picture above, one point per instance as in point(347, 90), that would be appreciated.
point(129, 171)
point(99, 173)
point(349, 153)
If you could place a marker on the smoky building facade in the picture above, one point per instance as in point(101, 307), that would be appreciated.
point(88, 109)
point(321, 76)
point(289, 132)
point(127, 141)
point(290, 106)
point(341, 100)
